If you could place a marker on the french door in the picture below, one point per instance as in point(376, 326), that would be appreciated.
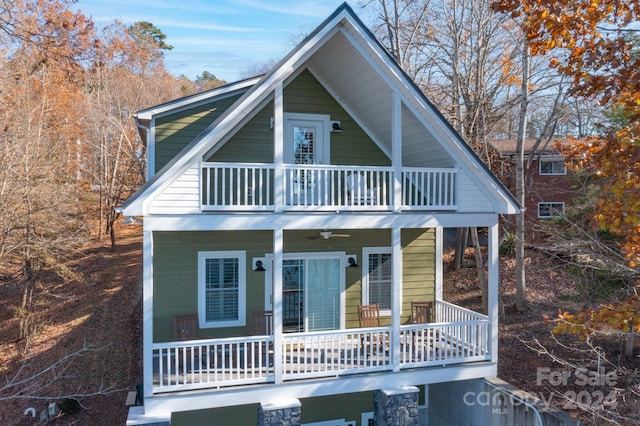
point(313, 292)
point(306, 143)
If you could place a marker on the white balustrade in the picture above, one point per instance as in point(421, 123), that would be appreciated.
point(458, 336)
point(314, 187)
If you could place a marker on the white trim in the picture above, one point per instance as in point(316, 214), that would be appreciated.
point(290, 118)
point(365, 417)
point(300, 389)
point(366, 251)
point(241, 256)
point(278, 246)
point(439, 265)
point(396, 295)
point(278, 148)
point(493, 286)
point(147, 311)
point(265, 221)
point(269, 277)
point(335, 422)
point(193, 101)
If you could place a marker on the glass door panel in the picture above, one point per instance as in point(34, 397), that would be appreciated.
point(322, 310)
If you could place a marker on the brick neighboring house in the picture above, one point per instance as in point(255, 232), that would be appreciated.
point(549, 185)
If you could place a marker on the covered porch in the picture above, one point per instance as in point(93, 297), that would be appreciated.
point(235, 357)
point(456, 336)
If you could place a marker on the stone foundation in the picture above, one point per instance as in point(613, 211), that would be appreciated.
point(396, 407)
point(285, 413)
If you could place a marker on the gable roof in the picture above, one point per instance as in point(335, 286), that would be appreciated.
point(143, 117)
point(508, 147)
point(358, 71)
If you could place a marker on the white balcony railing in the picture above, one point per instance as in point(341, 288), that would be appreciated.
point(253, 186)
point(214, 363)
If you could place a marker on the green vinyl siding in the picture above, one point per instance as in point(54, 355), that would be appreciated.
point(349, 406)
point(352, 146)
point(175, 267)
point(418, 268)
point(253, 143)
point(224, 416)
point(175, 131)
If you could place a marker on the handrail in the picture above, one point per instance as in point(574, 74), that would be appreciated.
point(239, 186)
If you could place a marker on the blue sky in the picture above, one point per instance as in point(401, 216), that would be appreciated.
point(225, 37)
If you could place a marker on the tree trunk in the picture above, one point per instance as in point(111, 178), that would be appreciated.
point(482, 278)
point(462, 237)
point(521, 304)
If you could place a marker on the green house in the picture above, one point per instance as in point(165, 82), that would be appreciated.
point(293, 230)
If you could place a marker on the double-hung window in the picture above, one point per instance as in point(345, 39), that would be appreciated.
point(221, 288)
point(377, 278)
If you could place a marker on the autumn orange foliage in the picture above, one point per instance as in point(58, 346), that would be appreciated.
point(594, 43)
point(589, 41)
point(621, 316)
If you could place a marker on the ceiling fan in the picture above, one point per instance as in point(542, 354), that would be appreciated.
point(326, 235)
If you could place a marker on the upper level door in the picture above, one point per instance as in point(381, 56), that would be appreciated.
point(306, 139)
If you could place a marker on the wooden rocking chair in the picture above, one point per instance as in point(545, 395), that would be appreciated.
point(261, 325)
point(369, 316)
point(187, 327)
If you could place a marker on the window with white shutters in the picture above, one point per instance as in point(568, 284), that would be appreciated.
point(221, 294)
point(377, 279)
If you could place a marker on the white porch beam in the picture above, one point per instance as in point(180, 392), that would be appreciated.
point(396, 311)
point(278, 148)
point(278, 247)
point(266, 221)
point(493, 288)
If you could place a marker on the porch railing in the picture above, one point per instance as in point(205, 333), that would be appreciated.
point(215, 363)
point(253, 186)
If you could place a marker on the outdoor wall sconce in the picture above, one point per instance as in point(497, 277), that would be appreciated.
point(335, 126)
point(352, 262)
point(259, 267)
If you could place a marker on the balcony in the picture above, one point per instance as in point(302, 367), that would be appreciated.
point(254, 187)
point(457, 336)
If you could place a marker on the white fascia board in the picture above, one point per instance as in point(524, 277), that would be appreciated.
point(194, 100)
point(187, 401)
point(430, 118)
point(231, 118)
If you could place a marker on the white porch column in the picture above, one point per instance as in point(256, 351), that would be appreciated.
point(278, 246)
point(396, 256)
point(439, 268)
point(396, 150)
point(278, 149)
point(147, 313)
point(493, 289)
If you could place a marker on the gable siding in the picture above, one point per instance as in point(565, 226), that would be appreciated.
point(352, 146)
point(471, 198)
point(175, 131)
point(253, 143)
point(182, 196)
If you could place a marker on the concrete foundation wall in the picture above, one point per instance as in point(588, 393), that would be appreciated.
point(492, 402)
